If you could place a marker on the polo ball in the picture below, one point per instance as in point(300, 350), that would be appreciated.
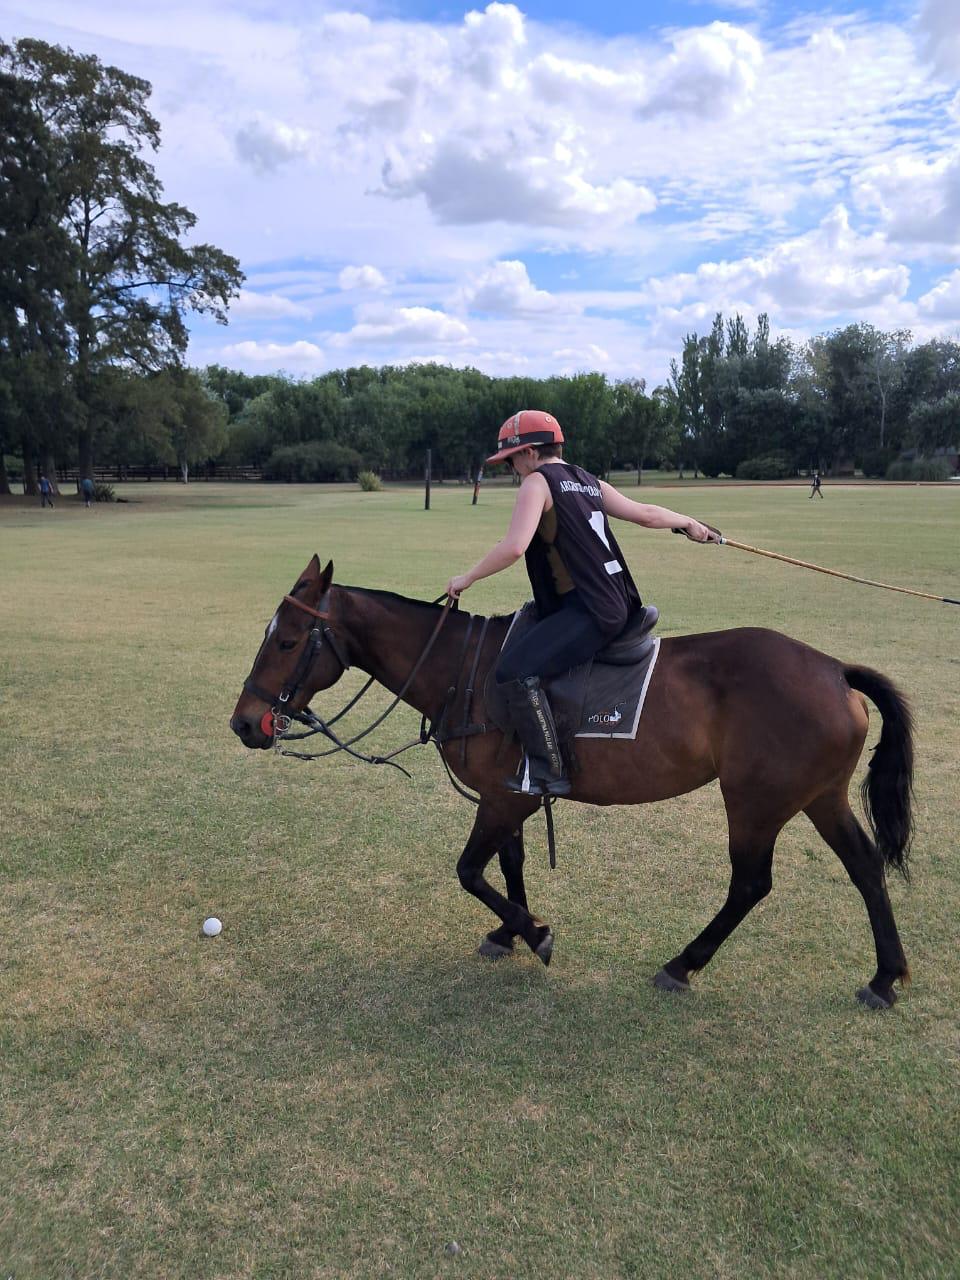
point(212, 926)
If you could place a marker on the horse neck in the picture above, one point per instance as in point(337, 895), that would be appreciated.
point(387, 635)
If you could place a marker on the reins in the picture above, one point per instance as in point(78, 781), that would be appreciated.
point(315, 724)
point(435, 732)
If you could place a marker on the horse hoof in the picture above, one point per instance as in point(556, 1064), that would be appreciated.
point(665, 982)
point(867, 996)
point(544, 948)
point(493, 950)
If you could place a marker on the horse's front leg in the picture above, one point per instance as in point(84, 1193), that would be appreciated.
point(497, 828)
point(499, 942)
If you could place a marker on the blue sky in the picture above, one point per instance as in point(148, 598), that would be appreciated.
point(548, 187)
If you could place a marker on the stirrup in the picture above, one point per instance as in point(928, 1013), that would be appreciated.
point(526, 783)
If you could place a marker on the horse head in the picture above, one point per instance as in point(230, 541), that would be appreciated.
point(299, 656)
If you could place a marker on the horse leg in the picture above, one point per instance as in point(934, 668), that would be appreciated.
point(751, 858)
point(499, 942)
point(493, 829)
point(834, 819)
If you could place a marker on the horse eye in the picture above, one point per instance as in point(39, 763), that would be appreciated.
point(286, 644)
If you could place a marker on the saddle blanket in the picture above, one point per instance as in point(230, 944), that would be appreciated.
point(595, 700)
point(615, 696)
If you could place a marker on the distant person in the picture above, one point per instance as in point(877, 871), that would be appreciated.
point(86, 488)
point(46, 492)
point(815, 485)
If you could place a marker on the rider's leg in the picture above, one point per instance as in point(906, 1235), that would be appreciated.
point(558, 642)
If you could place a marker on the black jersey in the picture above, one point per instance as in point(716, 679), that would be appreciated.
point(587, 548)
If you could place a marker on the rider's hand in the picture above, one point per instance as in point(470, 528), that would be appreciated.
point(698, 532)
point(457, 585)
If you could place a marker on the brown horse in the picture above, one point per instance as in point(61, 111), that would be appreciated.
point(779, 724)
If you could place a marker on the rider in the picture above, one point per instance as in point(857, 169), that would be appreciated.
point(581, 585)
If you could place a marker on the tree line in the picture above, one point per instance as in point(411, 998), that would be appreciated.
point(735, 403)
point(96, 281)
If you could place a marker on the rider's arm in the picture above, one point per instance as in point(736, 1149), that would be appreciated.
point(527, 511)
point(652, 517)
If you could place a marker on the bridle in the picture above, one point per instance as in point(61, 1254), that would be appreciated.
point(311, 651)
point(276, 722)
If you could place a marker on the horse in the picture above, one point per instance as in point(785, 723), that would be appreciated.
point(780, 724)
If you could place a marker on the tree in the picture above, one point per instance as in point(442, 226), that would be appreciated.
point(856, 370)
point(196, 421)
point(928, 404)
point(35, 271)
point(583, 405)
point(132, 278)
point(634, 426)
point(686, 398)
point(889, 350)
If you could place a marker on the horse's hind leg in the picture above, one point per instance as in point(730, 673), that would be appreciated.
point(751, 858)
point(499, 942)
point(495, 825)
point(833, 818)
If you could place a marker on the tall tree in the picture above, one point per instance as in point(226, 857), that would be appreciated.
point(687, 399)
point(132, 276)
point(35, 271)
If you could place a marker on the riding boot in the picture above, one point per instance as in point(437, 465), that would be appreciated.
point(541, 768)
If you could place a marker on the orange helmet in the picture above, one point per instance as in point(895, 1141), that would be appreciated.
point(528, 427)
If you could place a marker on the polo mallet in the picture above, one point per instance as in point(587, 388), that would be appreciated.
point(833, 573)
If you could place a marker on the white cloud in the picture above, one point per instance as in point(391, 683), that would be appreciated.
point(489, 43)
point(506, 289)
point(367, 278)
point(826, 271)
point(711, 69)
point(277, 355)
point(503, 360)
point(568, 81)
point(508, 178)
point(918, 198)
point(402, 326)
point(943, 300)
point(346, 24)
point(939, 27)
point(267, 144)
point(266, 306)
point(578, 359)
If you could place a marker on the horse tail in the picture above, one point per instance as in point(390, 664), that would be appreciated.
point(887, 790)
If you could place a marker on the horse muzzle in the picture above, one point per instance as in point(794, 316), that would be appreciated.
point(255, 734)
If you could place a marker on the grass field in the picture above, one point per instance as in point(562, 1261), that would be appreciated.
point(338, 1085)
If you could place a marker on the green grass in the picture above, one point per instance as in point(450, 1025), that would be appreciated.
point(338, 1086)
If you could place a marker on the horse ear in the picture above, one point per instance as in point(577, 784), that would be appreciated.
point(314, 581)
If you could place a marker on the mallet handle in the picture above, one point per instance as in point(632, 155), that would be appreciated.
point(833, 573)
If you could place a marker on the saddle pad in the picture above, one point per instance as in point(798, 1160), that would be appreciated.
point(615, 697)
point(594, 700)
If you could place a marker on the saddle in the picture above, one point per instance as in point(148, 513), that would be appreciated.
point(602, 698)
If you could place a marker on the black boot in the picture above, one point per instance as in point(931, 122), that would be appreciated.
point(541, 769)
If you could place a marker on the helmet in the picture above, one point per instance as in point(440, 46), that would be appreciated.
point(528, 427)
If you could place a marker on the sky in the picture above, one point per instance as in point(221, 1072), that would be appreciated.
point(550, 187)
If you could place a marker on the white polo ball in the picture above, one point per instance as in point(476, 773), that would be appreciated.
point(212, 926)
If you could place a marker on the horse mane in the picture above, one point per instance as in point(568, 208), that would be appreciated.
point(380, 593)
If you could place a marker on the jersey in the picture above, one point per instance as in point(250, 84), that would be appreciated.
point(587, 549)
